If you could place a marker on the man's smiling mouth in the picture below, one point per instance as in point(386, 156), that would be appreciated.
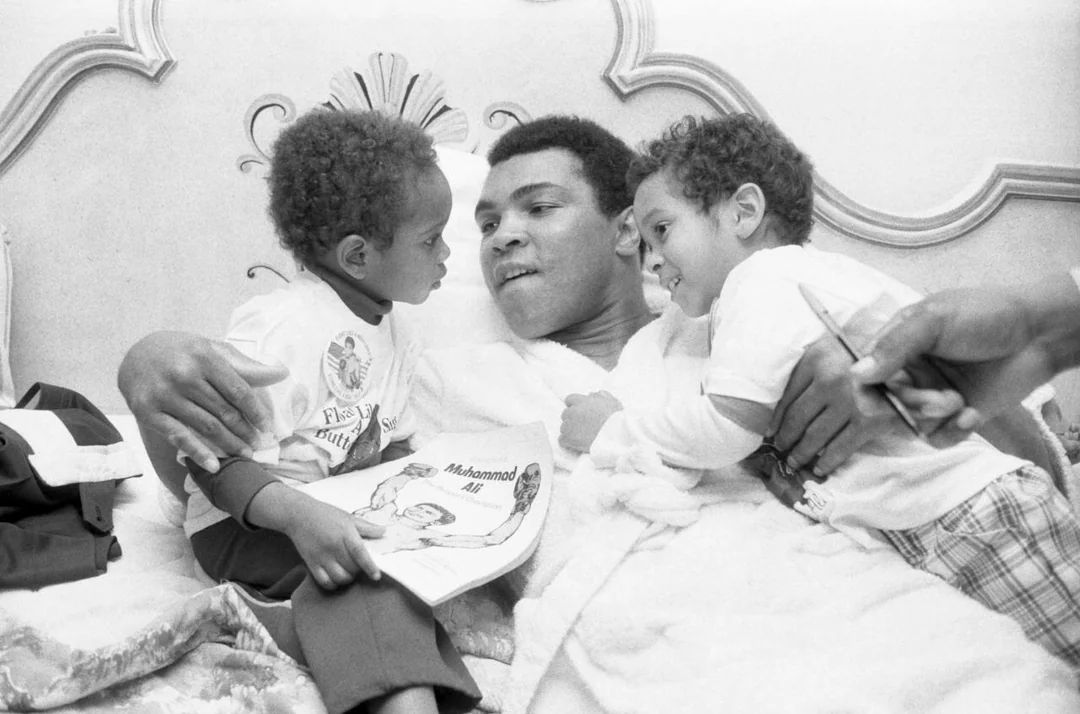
point(505, 275)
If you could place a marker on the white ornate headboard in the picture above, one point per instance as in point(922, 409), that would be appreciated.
point(130, 158)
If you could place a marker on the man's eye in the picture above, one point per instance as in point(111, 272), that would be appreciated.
point(487, 227)
point(540, 208)
point(430, 242)
point(660, 230)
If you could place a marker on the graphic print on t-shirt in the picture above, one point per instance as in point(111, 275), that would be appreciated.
point(365, 448)
point(346, 365)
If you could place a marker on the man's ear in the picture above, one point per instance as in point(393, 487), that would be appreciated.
point(748, 204)
point(627, 240)
point(353, 255)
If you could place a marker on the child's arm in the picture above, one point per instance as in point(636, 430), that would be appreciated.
point(330, 540)
point(704, 432)
point(233, 485)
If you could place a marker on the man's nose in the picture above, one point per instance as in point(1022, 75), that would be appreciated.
point(511, 233)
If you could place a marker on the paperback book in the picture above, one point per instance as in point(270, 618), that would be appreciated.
point(461, 511)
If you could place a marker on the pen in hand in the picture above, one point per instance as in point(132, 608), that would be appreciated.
point(834, 328)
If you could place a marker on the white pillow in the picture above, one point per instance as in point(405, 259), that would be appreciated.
point(461, 311)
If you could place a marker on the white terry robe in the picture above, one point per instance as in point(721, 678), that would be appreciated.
point(744, 606)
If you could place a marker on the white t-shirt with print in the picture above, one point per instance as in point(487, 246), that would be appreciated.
point(346, 394)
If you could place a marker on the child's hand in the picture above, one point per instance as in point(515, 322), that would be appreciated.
point(1070, 439)
point(331, 542)
point(583, 418)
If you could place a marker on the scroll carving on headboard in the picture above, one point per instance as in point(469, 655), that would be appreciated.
point(635, 66)
point(137, 46)
point(386, 86)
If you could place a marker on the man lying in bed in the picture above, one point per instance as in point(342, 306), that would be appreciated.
point(561, 259)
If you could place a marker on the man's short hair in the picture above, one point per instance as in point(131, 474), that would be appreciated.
point(337, 173)
point(712, 157)
point(604, 156)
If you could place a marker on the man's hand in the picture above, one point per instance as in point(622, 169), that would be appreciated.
point(331, 542)
point(583, 418)
point(824, 412)
point(195, 392)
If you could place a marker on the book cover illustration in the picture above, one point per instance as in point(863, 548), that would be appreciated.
point(461, 511)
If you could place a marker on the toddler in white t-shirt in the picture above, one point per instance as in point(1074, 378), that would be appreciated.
point(360, 201)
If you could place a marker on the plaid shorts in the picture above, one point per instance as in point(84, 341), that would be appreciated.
point(1014, 547)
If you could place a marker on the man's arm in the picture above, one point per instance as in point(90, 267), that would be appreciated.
point(186, 392)
point(824, 414)
point(162, 455)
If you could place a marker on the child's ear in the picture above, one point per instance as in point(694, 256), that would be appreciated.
point(627, 239)
point(748, 203)
point(352, 255)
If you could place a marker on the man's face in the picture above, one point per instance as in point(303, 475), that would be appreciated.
point(547, 251)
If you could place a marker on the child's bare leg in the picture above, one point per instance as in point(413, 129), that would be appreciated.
point(414, 700)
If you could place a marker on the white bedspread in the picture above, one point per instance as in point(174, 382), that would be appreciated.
point(749, 608)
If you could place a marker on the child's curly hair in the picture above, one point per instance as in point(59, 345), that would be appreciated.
point(711, 158)
point(335, 173)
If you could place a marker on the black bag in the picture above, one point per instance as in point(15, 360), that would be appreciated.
point(55, 533)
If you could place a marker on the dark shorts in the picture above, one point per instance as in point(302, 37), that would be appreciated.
point(361, 642)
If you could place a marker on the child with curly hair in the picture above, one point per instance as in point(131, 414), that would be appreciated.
point(725, 206)
point(360, 201)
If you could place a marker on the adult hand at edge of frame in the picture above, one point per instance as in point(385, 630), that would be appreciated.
point(993, 345)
